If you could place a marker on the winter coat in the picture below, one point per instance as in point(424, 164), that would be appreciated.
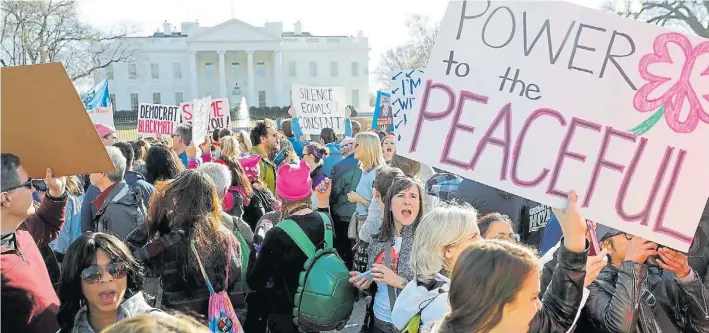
point(345, 177)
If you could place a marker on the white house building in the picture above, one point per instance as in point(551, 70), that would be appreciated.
point(236, 59)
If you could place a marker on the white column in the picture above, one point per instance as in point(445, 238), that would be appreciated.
point(278, 78)
point(193, 73)
point(222, 75)
point(253, 98)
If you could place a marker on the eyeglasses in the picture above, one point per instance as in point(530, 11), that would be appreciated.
point(27, 184)
point(93, 274)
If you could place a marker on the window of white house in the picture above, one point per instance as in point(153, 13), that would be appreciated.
point(109, 72)
point(235, 70)
point(355, 68)
point(355, 98)
point(112, 97)
point(209, 70)
point(134, 102)
point(154, 71)
point(156, 98)
point(292, 72)
point(334, 70)
point(177, 70)
point(179, 98)
point(132, 71)
point(261, 98)
point(313, 69)
point(261, 69)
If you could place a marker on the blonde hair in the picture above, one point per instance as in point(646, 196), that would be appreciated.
point(157, 323)
point(230, 147)
point(373, 156)
point(244, 140)
point(444, 226)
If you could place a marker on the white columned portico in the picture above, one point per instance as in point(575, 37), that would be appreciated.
point(193, 73)
point(222, 75)
point(278, 79)
point(253, 99)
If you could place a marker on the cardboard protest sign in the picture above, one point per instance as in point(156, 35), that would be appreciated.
point(200, 119)
point(157, 119)
point(98, 104)
point(404, 87)
point(537, 98)
point(383, 118)
point(320, 107)
point(219, 116)
point(51, 129)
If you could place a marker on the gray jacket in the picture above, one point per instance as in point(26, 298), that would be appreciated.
point(132, 307)
point(405, 270)
point(122, 211)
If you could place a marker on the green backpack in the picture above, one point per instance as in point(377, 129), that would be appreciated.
point(325, 298)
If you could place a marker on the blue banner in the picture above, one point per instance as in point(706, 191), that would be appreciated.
point(97, 97)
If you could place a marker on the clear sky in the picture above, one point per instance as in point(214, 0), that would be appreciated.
point(382, 21)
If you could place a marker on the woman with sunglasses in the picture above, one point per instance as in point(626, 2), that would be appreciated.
point(101, 283)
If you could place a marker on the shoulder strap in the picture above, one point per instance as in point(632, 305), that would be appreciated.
point(298, 236)
point(328, 230)
point(201, 268)
point(244, 250)
point(390, 290)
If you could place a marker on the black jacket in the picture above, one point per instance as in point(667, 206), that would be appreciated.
point(633, 298)
point(261, 203)
point(345, 177)
point(563, 297)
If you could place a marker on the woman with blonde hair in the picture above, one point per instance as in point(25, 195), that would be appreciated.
point(240, 191)
point(244, 141)
point(442, 235)
point(368, 152)
point(151, 323)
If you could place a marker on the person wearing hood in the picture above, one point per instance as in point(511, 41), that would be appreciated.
point(101, 284)
point(119, 208)
point(314, 154)
point(132, 178)
point(443, 231)
point(329, 139)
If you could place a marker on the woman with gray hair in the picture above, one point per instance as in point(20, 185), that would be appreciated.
point(435, 250)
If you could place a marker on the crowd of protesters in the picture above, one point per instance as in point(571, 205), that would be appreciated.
point(144, 247)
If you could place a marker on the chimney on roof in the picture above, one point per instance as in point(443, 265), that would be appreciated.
point(166, 28)
point(298, 28)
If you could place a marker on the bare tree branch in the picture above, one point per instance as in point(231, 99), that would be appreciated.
point(690, 16)
point(414, 53)
point(43, 31)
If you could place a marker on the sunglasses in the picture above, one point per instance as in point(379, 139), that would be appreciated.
point(93, 274)
point(27, 184)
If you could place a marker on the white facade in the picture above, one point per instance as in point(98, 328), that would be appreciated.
point(235, 59)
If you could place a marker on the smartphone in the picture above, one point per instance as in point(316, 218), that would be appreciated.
point(280, 157)
point(367, 275)
point(39, 185)
point(595, 247)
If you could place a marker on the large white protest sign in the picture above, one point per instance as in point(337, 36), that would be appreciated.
point(320, 107)
point(156, 119)
point(540, 97)
point(200, 119)
point(219, 115)
point(98, 104)
point(404, 87)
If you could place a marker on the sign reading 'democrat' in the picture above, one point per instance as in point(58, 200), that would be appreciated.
point(219, 116)
point(404, 87)
point(156, 119)
point(319, 107)
point(541, 97)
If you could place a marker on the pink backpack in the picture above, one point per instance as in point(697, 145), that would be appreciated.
point(221, 315)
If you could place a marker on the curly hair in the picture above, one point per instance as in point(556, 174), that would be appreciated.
point(259, 131)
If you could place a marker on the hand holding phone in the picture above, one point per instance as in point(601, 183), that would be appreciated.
point(366, 275)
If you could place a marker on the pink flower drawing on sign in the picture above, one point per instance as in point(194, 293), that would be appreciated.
point(667, 95)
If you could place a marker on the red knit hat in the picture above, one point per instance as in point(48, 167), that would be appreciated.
point(293, 182)
point(249, 163)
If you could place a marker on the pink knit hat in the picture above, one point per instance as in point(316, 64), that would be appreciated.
point(250, 165)
point(293, 182)
point(104, 130)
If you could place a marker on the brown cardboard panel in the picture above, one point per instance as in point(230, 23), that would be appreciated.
point(44, 122)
